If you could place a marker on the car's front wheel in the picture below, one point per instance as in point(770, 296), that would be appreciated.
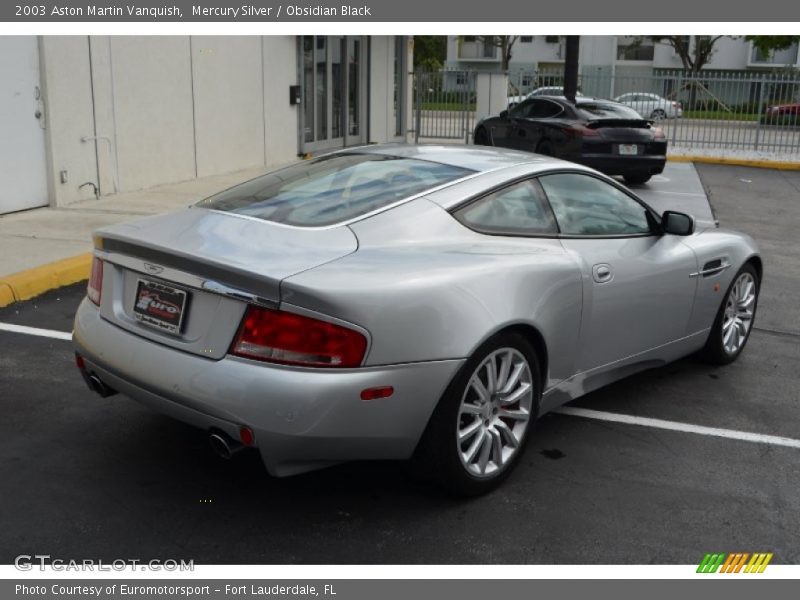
point(658, 114)
point(478, 431)
point(734, 320)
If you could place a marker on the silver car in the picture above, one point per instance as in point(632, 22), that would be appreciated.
point(405, 302)
point(651, 106)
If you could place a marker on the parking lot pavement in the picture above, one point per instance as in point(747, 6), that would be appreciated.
point(85, 477)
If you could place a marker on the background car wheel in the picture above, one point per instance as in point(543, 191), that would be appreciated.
point(481, 137)
point(734, 321)
point(637, 178)
point(479, 429)
point(658, 114)
point(544, 148)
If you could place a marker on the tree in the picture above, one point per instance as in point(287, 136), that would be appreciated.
point(693, 56)
point(773, 43)
point(504, 42)
point(430, 52)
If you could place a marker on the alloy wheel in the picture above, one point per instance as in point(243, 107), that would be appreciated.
point(494, 413)
point(739, 309)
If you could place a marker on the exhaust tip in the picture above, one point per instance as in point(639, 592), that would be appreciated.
point(224, 446)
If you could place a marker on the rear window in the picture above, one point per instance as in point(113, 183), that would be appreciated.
point(606, 110)
point(332, 189)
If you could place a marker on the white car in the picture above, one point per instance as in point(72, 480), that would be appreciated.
point(651, 106)
point(554, 90)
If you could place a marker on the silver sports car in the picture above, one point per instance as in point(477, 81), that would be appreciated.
point(405, 302)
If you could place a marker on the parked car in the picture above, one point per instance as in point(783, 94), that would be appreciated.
point(541, 91)
point(602, 134)
point(782, 114)
point(405, 302)
point(651, 106)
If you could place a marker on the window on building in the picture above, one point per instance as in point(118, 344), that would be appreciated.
point(551, 39)
point(469, 38)
point(525, 39)
point(635, 52)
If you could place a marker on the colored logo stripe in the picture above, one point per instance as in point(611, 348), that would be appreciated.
point(734, 562)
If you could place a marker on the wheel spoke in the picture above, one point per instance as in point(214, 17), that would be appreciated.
point(470, 409)
point(479, 388)
point(497, 447)
point(491, 376)
point(516, 415)
point(513, 379)
point(508, 434)
point(486, 451)
point(516, 395)
point(469, 455)
point(469, 430)
point(505, 369)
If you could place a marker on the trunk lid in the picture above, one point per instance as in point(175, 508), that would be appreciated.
point(216, 259)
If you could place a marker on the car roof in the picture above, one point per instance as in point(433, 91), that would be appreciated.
point(474, 158)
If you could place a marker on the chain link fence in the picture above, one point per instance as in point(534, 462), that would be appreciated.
point(709, 112)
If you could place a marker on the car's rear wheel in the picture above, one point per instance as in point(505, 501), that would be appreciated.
point(658, 114)
point(734, 321)
point(637, 178)
point(481, 137)
point(479, 429)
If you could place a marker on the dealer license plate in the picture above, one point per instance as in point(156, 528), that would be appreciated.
point(159, 306)
point(628, 149)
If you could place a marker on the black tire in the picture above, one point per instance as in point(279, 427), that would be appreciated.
point(481, 137)
point(637, 178)
point(714, 351)
point(544, 148)
point(438, 456)
point(658, 114)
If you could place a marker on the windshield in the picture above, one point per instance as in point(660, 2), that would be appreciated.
point(606, 110)
point(332, 189)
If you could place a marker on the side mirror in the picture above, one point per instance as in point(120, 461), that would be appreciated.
point(677, 223)
point(503, 114)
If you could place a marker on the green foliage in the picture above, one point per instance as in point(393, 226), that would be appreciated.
point(773, 43)
point(430, 52)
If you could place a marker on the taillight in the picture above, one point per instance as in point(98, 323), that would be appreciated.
point(95, 288)
point(288, 338)
point(582, 131)
point(659, 133)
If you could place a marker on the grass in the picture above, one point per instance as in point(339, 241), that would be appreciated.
point(446, 106)
point(720, 115)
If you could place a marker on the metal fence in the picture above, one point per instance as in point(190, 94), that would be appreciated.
point(444, 104)
point(710, 112)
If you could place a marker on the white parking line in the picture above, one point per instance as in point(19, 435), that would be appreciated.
point(50, 333)
point(731, 434)
point(571, 411)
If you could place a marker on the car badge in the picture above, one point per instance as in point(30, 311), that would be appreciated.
point(153, 269)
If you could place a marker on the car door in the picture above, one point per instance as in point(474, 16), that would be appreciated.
point(503, 128)
point(533, 127)
point(638, 293)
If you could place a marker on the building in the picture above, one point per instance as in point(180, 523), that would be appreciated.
point(89, 116)
point(614, 65)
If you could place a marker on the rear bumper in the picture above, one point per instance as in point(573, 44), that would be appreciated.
point(623, 165)
point(302, 418)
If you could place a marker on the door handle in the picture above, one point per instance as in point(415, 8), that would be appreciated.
point(602, 273)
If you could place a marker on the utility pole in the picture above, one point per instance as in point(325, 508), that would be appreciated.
point(571, 67)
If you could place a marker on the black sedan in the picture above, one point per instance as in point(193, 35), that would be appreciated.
point(601, 134)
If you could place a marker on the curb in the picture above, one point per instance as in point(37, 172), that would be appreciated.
point(28, 284)
point(739, 162)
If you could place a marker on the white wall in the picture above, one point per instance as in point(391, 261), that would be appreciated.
point(171, 108)
point(382, 125)
point(64, 62)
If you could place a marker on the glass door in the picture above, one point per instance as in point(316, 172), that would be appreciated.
point(333, 79)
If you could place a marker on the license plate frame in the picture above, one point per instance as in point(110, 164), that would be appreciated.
point(166, 308)
point(628, 149)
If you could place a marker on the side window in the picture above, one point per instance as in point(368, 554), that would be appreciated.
point(521, 110)
point(585, 205)
point(518, 209)
point(544, 109)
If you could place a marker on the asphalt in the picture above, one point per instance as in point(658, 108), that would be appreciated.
point(85, 477)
